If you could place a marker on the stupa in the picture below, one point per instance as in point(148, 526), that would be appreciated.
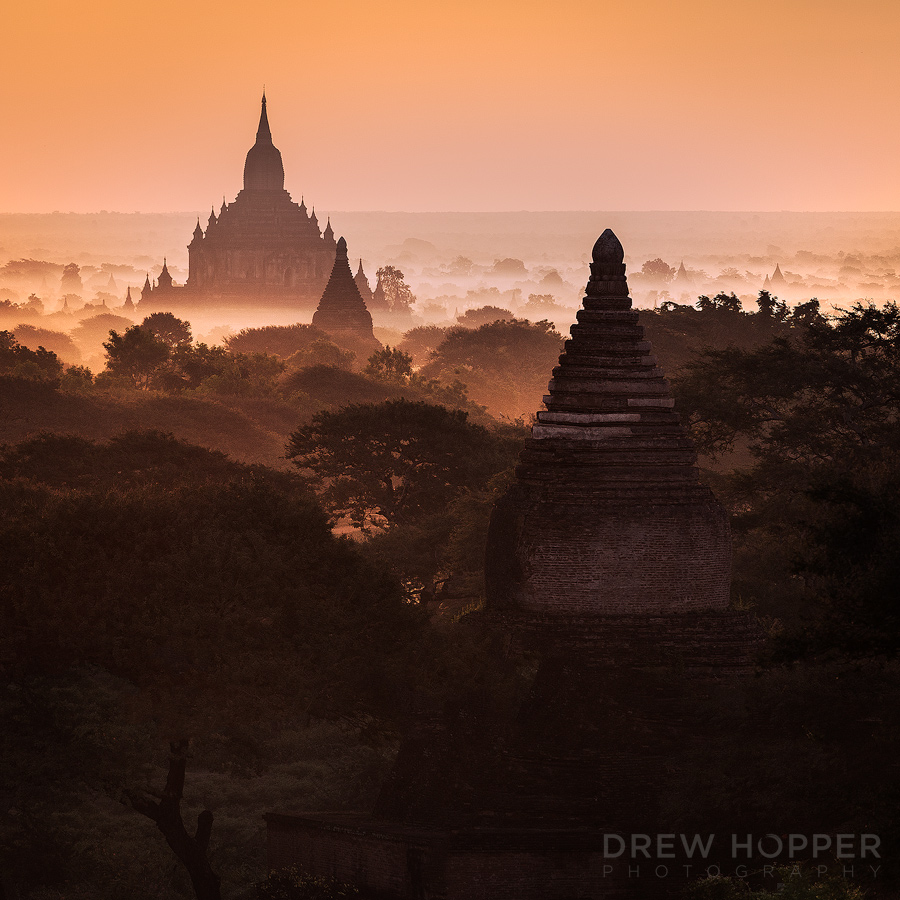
point(608, 515)
point(342, 311)
point(607, 562)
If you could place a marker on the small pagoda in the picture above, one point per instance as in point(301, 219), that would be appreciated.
point(342, 311)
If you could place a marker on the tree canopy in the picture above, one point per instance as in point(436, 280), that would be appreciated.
point(393, 462)
point(136, 355)
point(168, 328)
point(816, 417)
point(278, 340)
point(505, 365)
point(397, 292)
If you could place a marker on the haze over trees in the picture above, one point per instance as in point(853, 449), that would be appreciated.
point(157, 590)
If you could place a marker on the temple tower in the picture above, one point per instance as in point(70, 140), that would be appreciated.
point(342, 311)
point(363, 284)
point(608, 515)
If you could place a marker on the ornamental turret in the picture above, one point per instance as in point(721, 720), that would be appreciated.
point(379, 298)
point(362, 283)
point(165, 279)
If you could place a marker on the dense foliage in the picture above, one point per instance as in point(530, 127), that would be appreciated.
point(816, 498)
point(397, 461)
point(504, 364)
point(154, 590)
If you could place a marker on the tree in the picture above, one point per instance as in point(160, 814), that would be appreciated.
point(461, 266)
point(169, 329)
point(165, 810)
point(192, 364)
point(137, 355)
point(722, 301)
point(71, 279)
point(771, 307)
point(278, 340)
point(390, 463)
point(420, 341)
point(37, 364)
point(817, 496)
point(484, 315)
point(322, 352)
point(389, 364)
point(57, 341)
point(91, 332)
point(505, 364)
point(829, 392)
point(509, 267)
point(657, 268)
point(543, 305)
point(398, 293)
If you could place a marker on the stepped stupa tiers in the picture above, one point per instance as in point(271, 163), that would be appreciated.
point(608, 514)
point(342, 311)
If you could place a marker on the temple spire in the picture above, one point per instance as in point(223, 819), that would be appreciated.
point(263, 134)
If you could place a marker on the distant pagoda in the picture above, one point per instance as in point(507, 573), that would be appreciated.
point(363, 284)
point(342, 311)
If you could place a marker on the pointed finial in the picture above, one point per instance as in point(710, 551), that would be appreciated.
point(263, 133)
point(607, 284)
point(341, 248)
point(608, 248)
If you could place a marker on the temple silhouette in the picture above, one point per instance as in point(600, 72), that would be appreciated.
point(342, 312)
point(261, 249)
point(609, 563)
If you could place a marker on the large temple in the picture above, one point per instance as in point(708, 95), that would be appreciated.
point(261, 249)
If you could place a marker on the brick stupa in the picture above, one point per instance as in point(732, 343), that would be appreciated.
point(608, 515)
point(607, 565)
point(342, 311)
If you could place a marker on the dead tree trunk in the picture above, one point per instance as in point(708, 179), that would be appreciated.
point(165, 811)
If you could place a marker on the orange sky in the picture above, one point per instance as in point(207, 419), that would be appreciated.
point(490, 105)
